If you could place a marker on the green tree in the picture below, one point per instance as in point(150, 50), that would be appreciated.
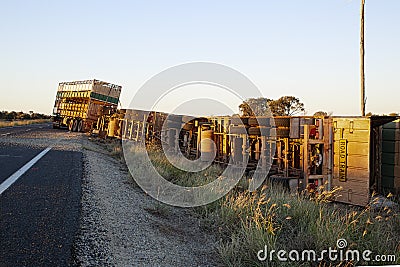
point(25, 116)
point(254, 107)
point(11, 115)
point(286, 106)
point(245, 109)
point(19, 115)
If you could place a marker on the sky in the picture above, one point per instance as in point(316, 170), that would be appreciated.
point(309, 48)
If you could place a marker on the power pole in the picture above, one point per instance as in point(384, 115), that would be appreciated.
point(362, 54)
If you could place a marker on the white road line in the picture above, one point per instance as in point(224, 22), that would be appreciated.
point(10, 180)
point(11, 127)
point(10, 156)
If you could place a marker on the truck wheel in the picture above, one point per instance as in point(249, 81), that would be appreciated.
point(75, 126)
point(80, 126)
point(70, 125)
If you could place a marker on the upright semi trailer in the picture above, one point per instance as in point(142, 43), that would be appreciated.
point(79, 104)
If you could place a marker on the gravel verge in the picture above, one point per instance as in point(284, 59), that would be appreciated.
point(122, 226)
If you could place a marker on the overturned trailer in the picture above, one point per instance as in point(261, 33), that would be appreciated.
point(358, 154)
point(353, 153)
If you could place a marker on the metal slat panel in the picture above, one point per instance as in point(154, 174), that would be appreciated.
point(356, 132)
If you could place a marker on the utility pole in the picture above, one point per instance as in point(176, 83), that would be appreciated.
point(362, 54)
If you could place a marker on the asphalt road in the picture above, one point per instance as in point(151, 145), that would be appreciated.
point(17, 130)
point(39, 213)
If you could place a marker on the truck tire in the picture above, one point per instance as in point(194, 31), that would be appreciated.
point(75, 126)
point(70, 125)
point(80, 126)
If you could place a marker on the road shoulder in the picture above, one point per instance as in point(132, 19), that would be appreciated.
point(122, 226)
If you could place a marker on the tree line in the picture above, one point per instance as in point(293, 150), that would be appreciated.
point(284, 106)
point(12, 115)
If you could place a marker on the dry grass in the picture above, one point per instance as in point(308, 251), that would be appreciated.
point(247, 221)
point(4, 123)
point(282, 221)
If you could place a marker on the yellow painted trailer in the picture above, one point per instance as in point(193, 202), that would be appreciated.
point(357, 153)
point(80, 104)
point(352, 158)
